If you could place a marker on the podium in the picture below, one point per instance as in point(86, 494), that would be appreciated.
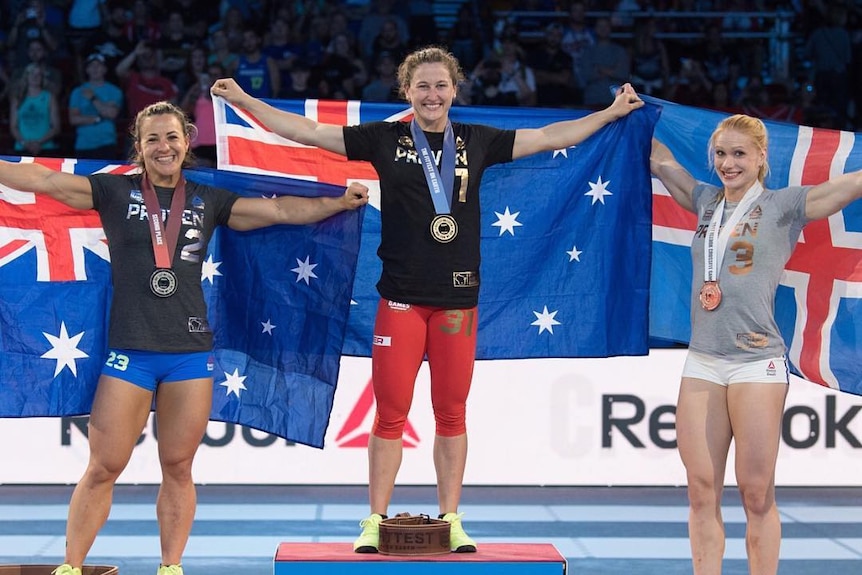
point(490, 559)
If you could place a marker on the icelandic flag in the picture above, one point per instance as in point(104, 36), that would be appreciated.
point(819, 302)
point(565, 234)
point(278, 301)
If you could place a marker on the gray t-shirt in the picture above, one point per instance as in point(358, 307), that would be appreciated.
point(139, 319)
point(743, 326)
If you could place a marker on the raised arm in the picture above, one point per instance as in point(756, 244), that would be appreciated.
point(252, 213)
point(74, 191)
point(829, 197)
point(675, 178)
point(568, 133)
point(291, 126)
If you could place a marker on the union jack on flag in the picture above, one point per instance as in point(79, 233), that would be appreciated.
point(819, 302)
point(565, 234)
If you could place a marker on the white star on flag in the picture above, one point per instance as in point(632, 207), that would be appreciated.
point(64, 349)
point(545, 320)
point(209, 269)
point(267, 327)
point(304, 271)
point(507, 221)
point(575, 254)
point(562, 152)
point(598, 191)
point(234, 382)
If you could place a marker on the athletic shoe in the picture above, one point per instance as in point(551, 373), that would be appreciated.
point(66, 569)
point(459, 542)
point(369, 539)
point(170, 570)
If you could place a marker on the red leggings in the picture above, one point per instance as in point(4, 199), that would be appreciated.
point(403, 335)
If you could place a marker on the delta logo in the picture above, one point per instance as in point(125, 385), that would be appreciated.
point(357, 427)
point(770, 369)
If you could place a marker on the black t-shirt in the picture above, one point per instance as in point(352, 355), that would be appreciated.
point(417, 269)
point(140, 319)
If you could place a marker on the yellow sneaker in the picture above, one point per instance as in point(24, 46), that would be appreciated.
point(66, 569)
point(170, 570)
point(459, 542)
point(369, 539)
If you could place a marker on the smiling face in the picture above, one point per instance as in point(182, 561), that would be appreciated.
point(738, 162)
point(431, 93)
point(162, 146)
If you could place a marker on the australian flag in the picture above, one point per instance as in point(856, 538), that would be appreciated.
point(565, 234)
point(819, 301)
point(278, 301)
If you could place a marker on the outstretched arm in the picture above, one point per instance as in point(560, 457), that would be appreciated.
point(568, 133)
point(291, 126)
point(252, 213)
point(74, 191)
point(829, 197)
point(675, 178)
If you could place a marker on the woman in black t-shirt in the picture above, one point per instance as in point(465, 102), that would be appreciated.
point(429, 171)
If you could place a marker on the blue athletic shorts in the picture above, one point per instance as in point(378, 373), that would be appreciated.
point(147, 369)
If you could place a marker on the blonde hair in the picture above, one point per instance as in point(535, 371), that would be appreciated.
point(159, 109)
point(749, 126)
point(428, 55)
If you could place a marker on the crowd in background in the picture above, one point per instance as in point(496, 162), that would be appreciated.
point(76, 71)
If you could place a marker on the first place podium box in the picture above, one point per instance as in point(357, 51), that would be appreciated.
point(47, 569)
point(490, 559)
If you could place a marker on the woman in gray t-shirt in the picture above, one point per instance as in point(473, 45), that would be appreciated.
point(735, 378)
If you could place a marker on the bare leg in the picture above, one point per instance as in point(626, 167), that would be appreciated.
point(755, 411)
point(182, 412)
point(120, 411)
point(450, 459)
point(384, 460)
point(703, 435)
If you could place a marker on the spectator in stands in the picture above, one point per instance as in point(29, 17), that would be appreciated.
point(142, 27)
point(93, 108)
point(372, 24)
point(555, 84)
point(194, 69)
point(85, 18)
point(142, 82)
point(465, 37)
point(343, 71)
point(175, 45)
point(389, 40)
point(516, 76)
point(257, 73)
point(830, 51)
point(37, 54)
point(30, 24)
point(197, 102)
point(280, 45)
point(577, 37)
point(384, 87)
point(231, 23)
point(716, 55)
point(111, 40)
point(605, 64)
point(34, 114)
point(221, 54)
point(485, 89)
point(301, 82)
point(650, 65)
point(691, 86)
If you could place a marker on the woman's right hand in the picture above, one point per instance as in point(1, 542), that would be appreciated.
point(228, 89)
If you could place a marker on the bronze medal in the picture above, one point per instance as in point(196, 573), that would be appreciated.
point(444, 228)
point(710, 295)
point(163, 282)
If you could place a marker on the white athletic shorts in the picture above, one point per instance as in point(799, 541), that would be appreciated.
point(727, 371)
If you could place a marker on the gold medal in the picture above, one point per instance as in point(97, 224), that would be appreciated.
point(710, 295)
point(444, 228)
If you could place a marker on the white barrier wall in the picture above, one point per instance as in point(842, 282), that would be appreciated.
point(531, 422)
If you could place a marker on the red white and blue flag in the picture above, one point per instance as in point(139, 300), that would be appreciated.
point(819, 302)
point(565, 234)
point(278, 301)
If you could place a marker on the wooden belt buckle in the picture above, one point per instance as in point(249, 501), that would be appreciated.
point(407, 534)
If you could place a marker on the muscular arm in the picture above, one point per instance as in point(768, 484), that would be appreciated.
point(572, 132)
point(252, 213)
point(675, 178)
point(291, 126)
point(829, 197)
point(74, 191)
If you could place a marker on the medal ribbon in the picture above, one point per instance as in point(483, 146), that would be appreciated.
point(441, 187)
point(164, 237)
point(716, 241)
